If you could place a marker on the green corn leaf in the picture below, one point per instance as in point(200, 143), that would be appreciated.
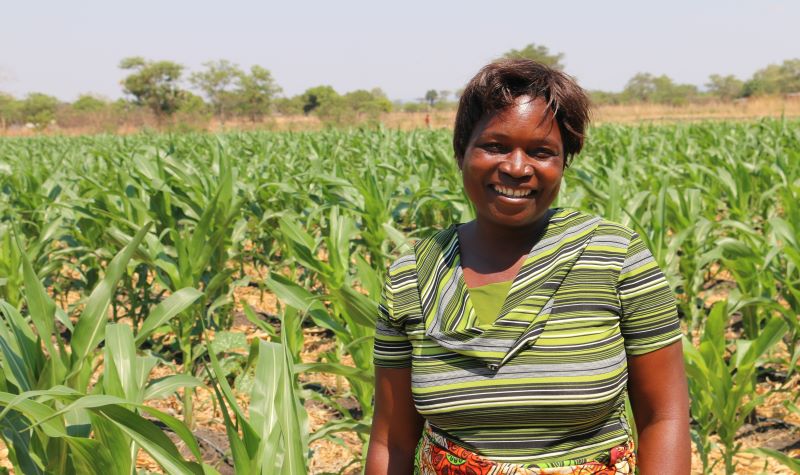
point(242, 462)
point(90, 329)
point(166, 310)
point(151, 439)
point(291, 416)
point(20, 374)
point(36, 412)
point(176, 426)
point(143, 368)
point(116, 442)
point(269, 378)
point(41, 307)
point(296, 233)
point(24, 340)
point(767, 338)
point(119, 349)
point(169, 385)
point(792, 463)
point(369, 278)
point(358, 309)
point(258, 322)
point(250, 440)
point(90, 456)
point(21, 455)
point(332, 427)
point(304, 301)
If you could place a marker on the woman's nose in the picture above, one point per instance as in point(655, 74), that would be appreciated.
point(516, 165)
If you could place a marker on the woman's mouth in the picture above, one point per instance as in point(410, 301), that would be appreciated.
point(510, 192)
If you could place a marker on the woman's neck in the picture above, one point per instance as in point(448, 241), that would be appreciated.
point(488, 248)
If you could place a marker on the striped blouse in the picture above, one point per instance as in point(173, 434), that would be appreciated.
point(546, 383)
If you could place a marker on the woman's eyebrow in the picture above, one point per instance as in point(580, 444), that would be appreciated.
point(502, 136)
point(492, 135)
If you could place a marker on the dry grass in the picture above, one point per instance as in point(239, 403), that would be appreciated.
point(743, 109)
point(738, 110)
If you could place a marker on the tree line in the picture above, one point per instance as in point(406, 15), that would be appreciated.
point(775, 79)
point(220, 89)
point(223, 90)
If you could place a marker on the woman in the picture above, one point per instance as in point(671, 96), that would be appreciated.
point(508, 344)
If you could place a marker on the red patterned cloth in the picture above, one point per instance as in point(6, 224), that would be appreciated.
point(437, 455)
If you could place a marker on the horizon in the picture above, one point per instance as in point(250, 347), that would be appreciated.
point(404, 50)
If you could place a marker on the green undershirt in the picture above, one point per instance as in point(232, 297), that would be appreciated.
point(487, 300)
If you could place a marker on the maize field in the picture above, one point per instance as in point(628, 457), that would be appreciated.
point(147, 281)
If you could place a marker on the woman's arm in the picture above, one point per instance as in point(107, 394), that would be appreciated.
point(396, 424)
point(660, 402)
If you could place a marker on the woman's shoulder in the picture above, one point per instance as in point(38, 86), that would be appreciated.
point(406, 260)
point(421, 249)
point(604, 225)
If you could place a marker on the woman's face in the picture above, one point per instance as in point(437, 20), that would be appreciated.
point(513, 164)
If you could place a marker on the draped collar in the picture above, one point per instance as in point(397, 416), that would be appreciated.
point(447, 311)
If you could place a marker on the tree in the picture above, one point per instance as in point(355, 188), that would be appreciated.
point(645, 87)
point(192, 104)
point(9, 110)
point(39, 109)
point(372, 103)
point(255, 92)
point(414, 107)
point(775, 79)
point(431, 96)
point(640, 88)
point(153, 84)
point(604, 97)
point(89, 103)
point(217, 82)
point(289, 105)
point(724, 87)
point(317, 96)
point(538, 53)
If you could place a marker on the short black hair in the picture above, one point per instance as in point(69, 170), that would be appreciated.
point(500, 82)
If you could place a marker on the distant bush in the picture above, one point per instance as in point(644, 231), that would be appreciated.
point(645, 87)
point(39, 109)
point(775, 79)
point(415, 107)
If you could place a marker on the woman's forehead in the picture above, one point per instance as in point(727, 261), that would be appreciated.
point(526, 113)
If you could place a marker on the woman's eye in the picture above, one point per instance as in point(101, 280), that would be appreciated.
point(492, 147)
point(542, 153)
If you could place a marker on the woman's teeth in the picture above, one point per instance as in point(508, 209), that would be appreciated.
point(511, 192)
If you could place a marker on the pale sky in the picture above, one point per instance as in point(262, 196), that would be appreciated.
point(66, 48)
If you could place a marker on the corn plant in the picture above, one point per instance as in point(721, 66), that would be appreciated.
point(352, 312)
point(722, 382)
point(274, 438)
point(47, 418)
point(197, 218)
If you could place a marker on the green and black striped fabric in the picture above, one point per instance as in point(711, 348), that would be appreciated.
point(546, 383)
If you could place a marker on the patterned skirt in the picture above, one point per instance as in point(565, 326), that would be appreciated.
point(437, 455)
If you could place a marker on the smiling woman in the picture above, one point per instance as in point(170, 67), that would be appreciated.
point(512, 166)
point(508, 344)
